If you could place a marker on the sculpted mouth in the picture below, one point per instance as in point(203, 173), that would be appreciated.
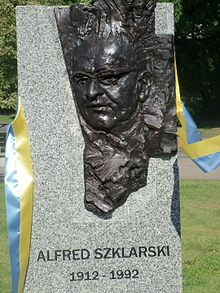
point(99, 106)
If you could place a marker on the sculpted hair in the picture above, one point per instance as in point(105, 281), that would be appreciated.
point(134, 20)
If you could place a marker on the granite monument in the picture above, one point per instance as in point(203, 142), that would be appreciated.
point(99, 103)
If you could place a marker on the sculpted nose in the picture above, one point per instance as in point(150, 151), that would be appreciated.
point(94, 90)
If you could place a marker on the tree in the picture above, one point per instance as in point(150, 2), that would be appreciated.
point(8, 60)
point(198, 54)
point(8, 72)
point(197, 46)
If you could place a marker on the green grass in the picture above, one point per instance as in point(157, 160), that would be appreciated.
point(200, 213)
point(5, 283)
point(6, 119)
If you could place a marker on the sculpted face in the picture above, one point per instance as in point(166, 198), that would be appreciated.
point(104, 82)
point(115, 62)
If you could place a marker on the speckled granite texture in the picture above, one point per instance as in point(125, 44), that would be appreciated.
point(164, 19)
point(150, 218)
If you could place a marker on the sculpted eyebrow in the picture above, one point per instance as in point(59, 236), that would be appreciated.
point(118, 72)
point(104, 73)
point(82, 73)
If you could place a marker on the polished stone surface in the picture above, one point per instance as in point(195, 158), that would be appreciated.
point(150, 217)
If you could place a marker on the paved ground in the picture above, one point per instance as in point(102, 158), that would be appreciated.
point(188, 170)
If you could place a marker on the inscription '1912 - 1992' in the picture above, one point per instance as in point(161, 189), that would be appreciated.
point(113, 275)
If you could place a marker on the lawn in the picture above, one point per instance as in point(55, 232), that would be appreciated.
point(6, 119)
point(200, 208)
point(200, 211)
point(5, 283)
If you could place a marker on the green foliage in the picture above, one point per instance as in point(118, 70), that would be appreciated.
point(197, 45)
point(8, 79)
point(198, 54)
point(8, 60)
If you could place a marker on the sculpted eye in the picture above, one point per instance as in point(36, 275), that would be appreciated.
point(81, 79)
point(109, 80)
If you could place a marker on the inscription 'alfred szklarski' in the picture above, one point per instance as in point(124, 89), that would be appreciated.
point(103, 253)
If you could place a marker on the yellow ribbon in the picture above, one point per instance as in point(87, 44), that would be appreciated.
point(24, 169)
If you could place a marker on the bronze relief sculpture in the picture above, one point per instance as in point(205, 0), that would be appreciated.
point(121, 75)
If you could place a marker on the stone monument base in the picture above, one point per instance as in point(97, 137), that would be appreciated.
point(137, 249)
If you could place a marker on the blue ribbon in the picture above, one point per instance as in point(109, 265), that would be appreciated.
point(13, 206)
point(208, 163)
point(193, 134)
